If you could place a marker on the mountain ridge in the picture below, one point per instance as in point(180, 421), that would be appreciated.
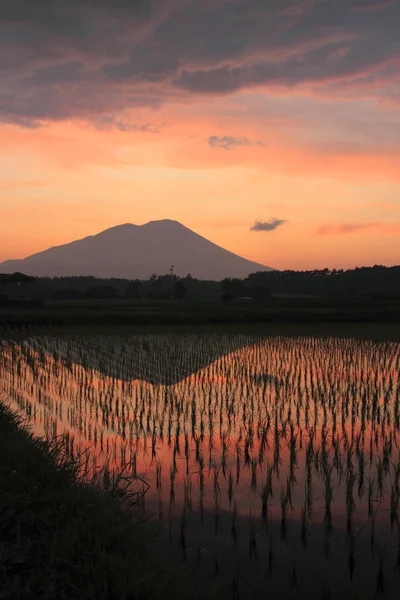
point(136, 252)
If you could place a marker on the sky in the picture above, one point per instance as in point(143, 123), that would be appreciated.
point(271, 127)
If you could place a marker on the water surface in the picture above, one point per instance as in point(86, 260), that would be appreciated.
point(272, 463)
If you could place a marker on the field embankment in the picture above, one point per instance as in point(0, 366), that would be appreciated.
point(66, 540)
point(359, 309)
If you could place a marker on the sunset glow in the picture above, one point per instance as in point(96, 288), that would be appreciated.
point(216, 114)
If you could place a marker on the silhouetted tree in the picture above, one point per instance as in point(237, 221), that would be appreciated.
point(162, 288)
point(180, 290)
point(259, 291)
point(68, 294)
point(226, 297)
point(104, 292)
point(134, 289)
point(233, 288)
point(365, 280)
point(257, 286)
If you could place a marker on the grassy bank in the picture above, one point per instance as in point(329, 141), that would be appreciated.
point(65, 540)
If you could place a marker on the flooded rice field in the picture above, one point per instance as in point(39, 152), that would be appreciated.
point(272, 464)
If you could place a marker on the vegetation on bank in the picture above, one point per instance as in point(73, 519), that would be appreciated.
point(68, 540)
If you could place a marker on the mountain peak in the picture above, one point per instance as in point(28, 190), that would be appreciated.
point(119, 228)
point(163, 223)
point(136, 252)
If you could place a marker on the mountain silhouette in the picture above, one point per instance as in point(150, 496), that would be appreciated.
point(131, 251)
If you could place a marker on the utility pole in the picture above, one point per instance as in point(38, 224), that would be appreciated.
point(172, 270)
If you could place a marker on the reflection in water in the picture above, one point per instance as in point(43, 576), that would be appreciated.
point(275, 468)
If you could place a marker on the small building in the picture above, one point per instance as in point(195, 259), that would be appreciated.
point(15, 287)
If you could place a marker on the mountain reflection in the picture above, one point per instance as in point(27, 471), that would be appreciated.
point(162, 360)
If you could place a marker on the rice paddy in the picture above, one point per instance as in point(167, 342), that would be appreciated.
point(272, 464)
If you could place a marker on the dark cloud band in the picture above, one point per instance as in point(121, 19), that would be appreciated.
point(79, 58)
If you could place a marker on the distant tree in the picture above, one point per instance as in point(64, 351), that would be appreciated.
point(93, 292)
point(233, 287)
point(134, 289)
point(68, 294)
point(257, 285)
point(227, 297)
point(104, 292)
point(180, 290)
point(365, 280)
point(162, 288)
point(259, 291)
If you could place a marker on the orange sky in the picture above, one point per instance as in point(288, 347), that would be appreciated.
point(321, 154)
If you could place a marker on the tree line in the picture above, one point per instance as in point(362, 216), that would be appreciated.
point(260, 285)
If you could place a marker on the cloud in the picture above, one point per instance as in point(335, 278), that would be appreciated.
point(109, 121)
point(228, 142)
point(372, 228)
point(339, 63)
point(63, 15)
point(267, 225)
point(297, 9)
point(21, 121)
point(365, 8)
point(63, 59)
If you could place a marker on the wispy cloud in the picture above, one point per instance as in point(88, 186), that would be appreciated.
point(107, 121)
point(372, 228)
point(374, 7)
point(267, 225)
point(21, 121)
point(227, 142)
point(295, 10)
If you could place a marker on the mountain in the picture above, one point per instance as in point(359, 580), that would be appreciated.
point(132, 251)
